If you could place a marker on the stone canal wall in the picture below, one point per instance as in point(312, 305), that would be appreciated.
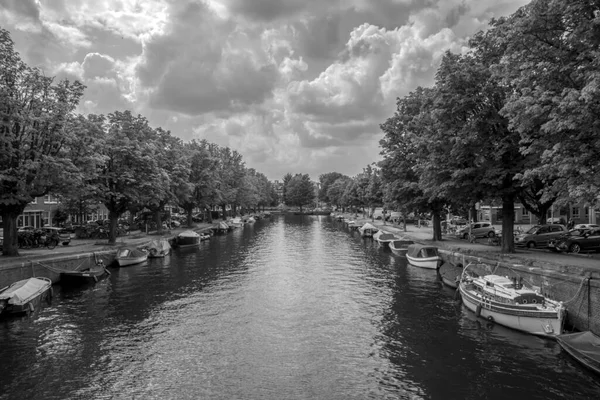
point(51, 267)
point(578, 288)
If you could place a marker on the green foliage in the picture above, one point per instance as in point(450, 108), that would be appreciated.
point(300, 191)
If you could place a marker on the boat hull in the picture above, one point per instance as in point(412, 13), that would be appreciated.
point(29, 304)
point(91, 275)
point(124, 262)
point(428, 263)
point(542, 323)
point(587, 353)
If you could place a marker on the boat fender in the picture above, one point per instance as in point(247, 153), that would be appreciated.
point(49, 297)
point(31, 307)
point(457, 295)
point(478, 310)
point(491, 319)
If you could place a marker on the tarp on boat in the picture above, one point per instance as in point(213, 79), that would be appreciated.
point(421, 251)
point(222, 225)
point(381, 235)
point(584, 346)
point(130, 252)
point(188, 234)
point(159, 246)
point(368, 226)
point(22, 291)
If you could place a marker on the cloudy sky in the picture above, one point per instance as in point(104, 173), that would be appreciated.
point(296, 86)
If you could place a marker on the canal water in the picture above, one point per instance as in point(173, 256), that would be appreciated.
point(295, 307)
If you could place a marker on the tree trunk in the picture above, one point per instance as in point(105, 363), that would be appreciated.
point(157, 221)
point(113, 217)
point(224, 211)
point(473, 211)
point(188, 215)
point(508, 220)
point(10, 245)
point(437, 226)
point(210, 218)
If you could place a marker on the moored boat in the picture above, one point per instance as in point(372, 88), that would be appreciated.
point(423, 256)
point(158, 248)
point(400, 246)
point(367, 230)
point(188, 239)
point(85, 275)
point(130, 256)
point(25, 296)
point(383, 239)
point(584, 347)
point(508, 302)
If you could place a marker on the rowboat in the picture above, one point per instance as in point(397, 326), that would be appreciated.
point(383, 239)
point(423, 256)
point(584, 347)
point(85, 275)
point(25, 296)
point(130, 256)
point(400, 247)
point(508, 302)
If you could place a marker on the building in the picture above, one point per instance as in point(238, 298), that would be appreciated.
point(580, 213)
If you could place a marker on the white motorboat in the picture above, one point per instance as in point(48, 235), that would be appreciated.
point(130, 256)
point(188, 239)
point(25, 296)
point(383, 239)
point(158, 248)
point(423, 256)
point(508, 302)
point(400, 246)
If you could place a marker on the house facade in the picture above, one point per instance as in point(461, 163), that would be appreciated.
point(580, 213)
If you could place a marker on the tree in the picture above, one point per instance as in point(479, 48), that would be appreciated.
point(301, 191)
point(286, 180)
point(552, 68)
point(34, 158)
point(326, 181)
point(127, 171)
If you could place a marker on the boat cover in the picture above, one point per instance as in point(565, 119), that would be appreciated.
point(585, 344)
point(160, 245)
point(188, 234)
point(368, 226)
point(222, 225)
point(421, 251)
point(400, 244)
point(384, 236)
point(130, 252)
point(22, 291)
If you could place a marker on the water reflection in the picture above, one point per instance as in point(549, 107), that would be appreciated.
point(298, 307)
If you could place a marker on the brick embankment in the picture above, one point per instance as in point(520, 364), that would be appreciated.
point(78, 254)
point(573, 279)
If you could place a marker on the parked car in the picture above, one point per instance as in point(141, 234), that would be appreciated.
point(586, 226)
point(64, 236)
point(588, 240)
point(540, 235)
point(552, 243)
point(477, 229)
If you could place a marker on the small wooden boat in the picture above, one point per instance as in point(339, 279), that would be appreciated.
point(130, 256)
point(423, 256)
point(85, 275)
point(383, 239)
point(367, 230)
point(400, 247)
point(25, 296)
point(188, 239)
point(158, 248)
point(584, 347)
point(507, 302)
point(221, 227)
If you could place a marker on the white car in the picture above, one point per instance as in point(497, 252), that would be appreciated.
point(586, 226)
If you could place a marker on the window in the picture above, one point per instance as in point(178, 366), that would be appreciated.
point(50, 199)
